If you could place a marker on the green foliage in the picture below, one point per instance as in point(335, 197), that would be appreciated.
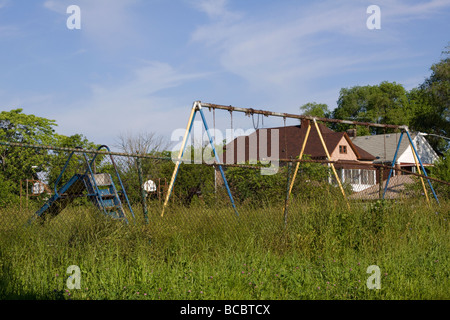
point(323, 253)
point(425, 108)
point(250, 186)
point(431, 102)
point(77, 163)
point(441, 170)
point(386, 103)
point(16, 126)
point(17, 164)
point(6, 192)
point(193, 180)
point(314, 109)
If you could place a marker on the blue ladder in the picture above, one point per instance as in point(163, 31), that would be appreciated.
point(100, 190)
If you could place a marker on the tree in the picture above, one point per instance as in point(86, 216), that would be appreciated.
point(20, 163)
point(16, 126)
point(386, 103)
point(143, 143)
point(431, 102)
point(58, 159)
point(17, 164)
point(314, 109)
point(441, 170)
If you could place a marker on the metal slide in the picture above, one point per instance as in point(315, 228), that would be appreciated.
point(100, 189)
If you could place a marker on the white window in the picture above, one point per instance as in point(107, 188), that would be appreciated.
point(359, 176)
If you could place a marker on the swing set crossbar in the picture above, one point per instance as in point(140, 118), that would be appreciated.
point(250, 111)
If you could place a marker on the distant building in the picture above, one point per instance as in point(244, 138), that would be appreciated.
point(351, 161)
point(383, 147)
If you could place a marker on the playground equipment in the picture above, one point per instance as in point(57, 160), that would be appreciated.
point(99, 188)
point(198, 105)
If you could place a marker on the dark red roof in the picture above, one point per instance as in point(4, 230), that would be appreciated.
point(290, 142)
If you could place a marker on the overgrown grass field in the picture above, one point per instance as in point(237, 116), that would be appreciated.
point(321, 251)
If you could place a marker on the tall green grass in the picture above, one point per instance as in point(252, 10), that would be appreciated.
point(201, 252)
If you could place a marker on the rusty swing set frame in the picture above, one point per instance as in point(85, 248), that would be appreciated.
point(198, 105)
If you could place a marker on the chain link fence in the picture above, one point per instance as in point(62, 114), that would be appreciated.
point(74, 187)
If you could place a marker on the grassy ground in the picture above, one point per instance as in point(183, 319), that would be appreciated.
point(323, 252)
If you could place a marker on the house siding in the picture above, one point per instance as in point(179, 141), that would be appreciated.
point(336, 155)
point(426, 154)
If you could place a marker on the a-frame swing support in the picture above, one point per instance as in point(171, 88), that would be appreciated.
point(416, 159)
point(298, 165)
point(197, 107)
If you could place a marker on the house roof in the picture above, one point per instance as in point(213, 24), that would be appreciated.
point(383, 146)
point(291, 139)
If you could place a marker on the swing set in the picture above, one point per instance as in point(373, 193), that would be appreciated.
point(198, 108)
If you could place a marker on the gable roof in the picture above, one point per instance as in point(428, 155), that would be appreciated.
point(383, 146)
point(290, 142)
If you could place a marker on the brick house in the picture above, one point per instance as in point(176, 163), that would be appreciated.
point(353, 164)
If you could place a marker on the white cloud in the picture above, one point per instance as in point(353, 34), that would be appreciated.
point(284, 48)
point(133, 105)
point(56, 6)
point(215, 9)
point(7, 30)
point(4, 3)
point(407, 10)
point(299, 44)
point(109, 25)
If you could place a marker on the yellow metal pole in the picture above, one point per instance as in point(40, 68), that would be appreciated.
point(177, 164)
point(298, 163)
point(419, 172)
point(329, 159)
point(300, 157)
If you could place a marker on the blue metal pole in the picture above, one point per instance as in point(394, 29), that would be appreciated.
point(393, 164)
point(421, 165)
point(60, 175)
point(218, 161)
point(120, 181)
point(96, 189)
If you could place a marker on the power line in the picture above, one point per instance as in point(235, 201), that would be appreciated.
point(432, 134)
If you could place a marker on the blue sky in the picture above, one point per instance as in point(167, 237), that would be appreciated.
point(138, 65)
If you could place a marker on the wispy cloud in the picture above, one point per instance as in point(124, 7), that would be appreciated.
point(146, 80)
point(56, 6)
point(301, 44)
point(133, 104)
point(8, 30)
point(253, 53)
point(109, 25)
point(3, 3)
point(284, 48)
point(409, 10)
point(215, 9)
